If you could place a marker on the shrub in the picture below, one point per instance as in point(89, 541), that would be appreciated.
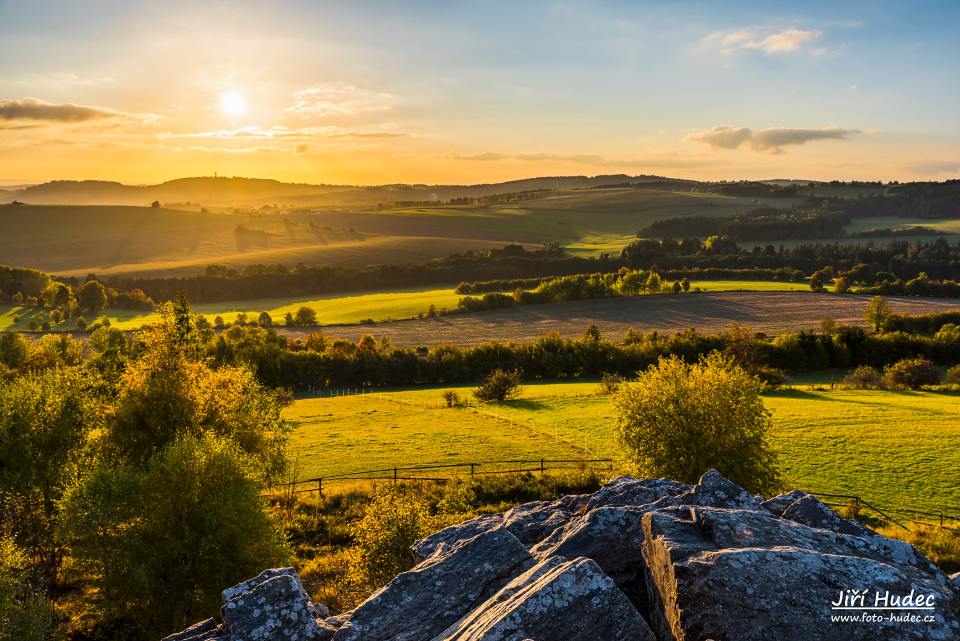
point(610, 384)
point(911, 373)
point(24, 614)
point(864, 377)
point(391, 523)
point(499, 385)
point(678, 420)
point(451, 398)
point(953, 376)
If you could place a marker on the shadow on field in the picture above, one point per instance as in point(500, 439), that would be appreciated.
point(526, 404)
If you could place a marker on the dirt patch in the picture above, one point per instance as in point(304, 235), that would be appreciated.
point(771, 312)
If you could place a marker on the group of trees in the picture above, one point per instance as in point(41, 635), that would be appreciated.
point(625, 282)
point(142, 465)
point(320, 360)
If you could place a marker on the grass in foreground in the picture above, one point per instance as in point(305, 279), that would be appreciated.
point(897, 450)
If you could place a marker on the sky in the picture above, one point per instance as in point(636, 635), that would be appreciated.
point(469, 92)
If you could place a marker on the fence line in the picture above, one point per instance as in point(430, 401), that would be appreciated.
point(942, 518)
point(410, 473)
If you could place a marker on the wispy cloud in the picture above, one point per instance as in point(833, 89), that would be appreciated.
point(766, 140)
point(35, 109)
point(663, 161)
point(304, 134)
point(33, 113)
point(767, 40)
point(339, 100)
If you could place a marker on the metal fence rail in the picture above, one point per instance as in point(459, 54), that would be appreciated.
point(942, 519)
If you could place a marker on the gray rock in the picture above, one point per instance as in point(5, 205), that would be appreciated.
point(318, 610)
point(809, 511)
point(274, 609)
point(710, 579)
point(556, 601)
point(715, 490)
point(613, 538)
point(781, 502)
point(531, 522)
point(419, 604)
point(625, 490)
point(204, 631)
point(447, 537)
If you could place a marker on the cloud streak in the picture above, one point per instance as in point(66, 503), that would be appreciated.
point(339, 100)
point(766, 140)
point(767, 41)
point(674, 161)
point(34, 109)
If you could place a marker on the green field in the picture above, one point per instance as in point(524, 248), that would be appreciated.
point(896, 449)
point(339, 309)
point(330, 310)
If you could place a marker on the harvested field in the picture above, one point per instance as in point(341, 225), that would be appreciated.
point(771, 312)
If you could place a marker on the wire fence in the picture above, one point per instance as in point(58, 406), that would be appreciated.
point(907, 515)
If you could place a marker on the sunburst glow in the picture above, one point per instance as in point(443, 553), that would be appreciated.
point(233, 104)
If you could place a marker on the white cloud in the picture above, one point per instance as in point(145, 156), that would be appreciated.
point(766, 40)
point(339, 100)
point(766, 140)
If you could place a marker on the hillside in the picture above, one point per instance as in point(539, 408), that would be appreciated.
point(222, 190)
point(113, 239)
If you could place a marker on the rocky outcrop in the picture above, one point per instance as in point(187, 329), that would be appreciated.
point(640, 559)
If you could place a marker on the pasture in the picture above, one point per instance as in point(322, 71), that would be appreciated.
point(896, 449)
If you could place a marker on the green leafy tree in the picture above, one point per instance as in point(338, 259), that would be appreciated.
point(499, 385)
point(265, 320)
point(163, 540)
point(878, 313)
point(44, 422)
point(306, 317)
point(678, 420)
point(92, 296)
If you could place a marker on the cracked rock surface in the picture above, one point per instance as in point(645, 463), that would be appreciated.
point(640, 559)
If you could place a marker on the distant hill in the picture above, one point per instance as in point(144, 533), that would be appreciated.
point(224, 191)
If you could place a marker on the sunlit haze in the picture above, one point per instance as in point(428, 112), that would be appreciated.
point(381, 92)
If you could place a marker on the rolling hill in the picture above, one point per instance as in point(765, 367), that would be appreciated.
point(115, 239)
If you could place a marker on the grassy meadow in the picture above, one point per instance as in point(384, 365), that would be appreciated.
point(340, 309)
point(896, 449)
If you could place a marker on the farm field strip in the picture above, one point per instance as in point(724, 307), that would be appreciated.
point(348, 309)
point(896, 449)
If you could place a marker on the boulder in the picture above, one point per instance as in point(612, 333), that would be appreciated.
point(610, 536)
point(208, 630)
point(809, 511)
point(445, 538)
point(745, 575)
point(625, 490)
point(275, 609)
point(421, 603)
point(557, 600)
point(781, 502)
point(715, 490)
point(531, 522)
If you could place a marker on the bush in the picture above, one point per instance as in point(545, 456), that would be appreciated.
point(24, 614)
point(499, 385)
point(953, 376)
point(864, 377)
point(452, 398)
point(679, 420)
point(391, 523)
point(911, 373)
point(610, 384)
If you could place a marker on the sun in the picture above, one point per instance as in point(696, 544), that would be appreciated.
point(233, 104)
